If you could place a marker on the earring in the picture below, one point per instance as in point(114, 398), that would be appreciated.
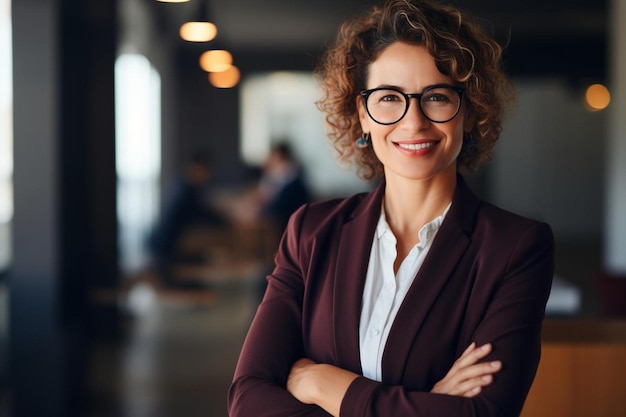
point(468, 140)
point(363, 141)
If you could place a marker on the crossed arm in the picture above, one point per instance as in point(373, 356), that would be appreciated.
point(273, 379)
point(326, 385)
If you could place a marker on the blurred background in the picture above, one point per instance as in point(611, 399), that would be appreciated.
point(146, 171)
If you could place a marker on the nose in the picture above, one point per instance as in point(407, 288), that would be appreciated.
point(414, 117)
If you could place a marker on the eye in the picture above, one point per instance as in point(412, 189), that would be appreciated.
point(440, 97)
point(437, 97)
point(387, 97)
point(391, 97)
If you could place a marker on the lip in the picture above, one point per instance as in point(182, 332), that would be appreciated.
point(416, 148)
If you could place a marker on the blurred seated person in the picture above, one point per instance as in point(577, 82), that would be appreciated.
point(281, 191)
point(184, 207)
point(282, 187)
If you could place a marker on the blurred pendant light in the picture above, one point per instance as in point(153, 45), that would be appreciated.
point(216, 60)
point(199, 29)
point(225, 79)
point(597, 97)
point(173, 1)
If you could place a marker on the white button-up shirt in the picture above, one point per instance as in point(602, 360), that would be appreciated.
point(384, 291)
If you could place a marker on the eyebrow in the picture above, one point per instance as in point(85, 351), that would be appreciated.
point(405, 91)
point(389, 86)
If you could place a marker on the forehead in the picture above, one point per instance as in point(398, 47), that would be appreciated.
point(404, 65)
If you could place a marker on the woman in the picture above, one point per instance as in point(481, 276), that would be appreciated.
point(416, 299)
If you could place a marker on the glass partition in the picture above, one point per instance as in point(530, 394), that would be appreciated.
point(138, 154)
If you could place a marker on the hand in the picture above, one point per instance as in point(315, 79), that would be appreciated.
point(467, 377)
point(297, 383)
point(321, 384)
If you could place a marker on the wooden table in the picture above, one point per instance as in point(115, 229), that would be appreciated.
point(582, 372)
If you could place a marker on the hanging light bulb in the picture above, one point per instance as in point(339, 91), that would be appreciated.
point(217, 60)
point(198, 31)
point(597, 97)
point(225, 79)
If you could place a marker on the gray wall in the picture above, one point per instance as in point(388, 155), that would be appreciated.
point(549, 162)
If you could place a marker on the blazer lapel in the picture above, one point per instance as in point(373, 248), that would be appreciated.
point(355, 241)
point(447, 249)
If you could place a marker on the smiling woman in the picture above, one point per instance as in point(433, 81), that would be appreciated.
point(416, 298)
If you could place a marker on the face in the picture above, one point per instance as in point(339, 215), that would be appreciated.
point(413, 148)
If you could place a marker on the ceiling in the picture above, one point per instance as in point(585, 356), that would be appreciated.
point(565, 37)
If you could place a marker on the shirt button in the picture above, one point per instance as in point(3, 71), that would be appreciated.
point(375, 332)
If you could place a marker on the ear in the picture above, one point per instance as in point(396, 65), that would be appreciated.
point(363, 116)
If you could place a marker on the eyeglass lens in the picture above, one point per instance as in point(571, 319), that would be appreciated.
point(388, 106)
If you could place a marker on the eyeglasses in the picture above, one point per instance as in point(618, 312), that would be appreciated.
point(439, 103)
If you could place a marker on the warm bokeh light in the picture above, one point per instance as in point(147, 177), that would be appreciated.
point(597, 97)
point(225, 79)
point(173, 1)
point(216, 60)
point(198, 31)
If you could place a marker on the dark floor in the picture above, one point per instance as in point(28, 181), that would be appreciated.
point(177, 359)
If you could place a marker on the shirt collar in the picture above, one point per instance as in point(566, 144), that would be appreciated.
point(426, 233)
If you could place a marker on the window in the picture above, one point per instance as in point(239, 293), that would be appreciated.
point(138, 133)
point(6, 134)
point(6, 179)
point(280, 106)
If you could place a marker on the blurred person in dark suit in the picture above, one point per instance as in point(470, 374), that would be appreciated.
point(282, 187)
point(186, 206)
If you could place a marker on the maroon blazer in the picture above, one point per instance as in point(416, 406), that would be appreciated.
point(486, 278)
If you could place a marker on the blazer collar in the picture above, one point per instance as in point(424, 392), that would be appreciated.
point(351, 269)
point(447, 249)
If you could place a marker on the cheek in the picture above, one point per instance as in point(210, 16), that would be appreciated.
point(457, 134)
point(379, 135)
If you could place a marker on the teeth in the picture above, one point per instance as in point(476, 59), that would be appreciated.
point(416, 146)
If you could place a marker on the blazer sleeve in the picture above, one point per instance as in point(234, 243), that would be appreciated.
point(511, 321)
point(274, 341)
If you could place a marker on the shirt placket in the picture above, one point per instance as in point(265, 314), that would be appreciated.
point(384, 303)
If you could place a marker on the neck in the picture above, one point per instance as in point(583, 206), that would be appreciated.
point(410, 204)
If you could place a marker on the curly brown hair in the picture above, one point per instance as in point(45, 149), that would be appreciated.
point(462, 50)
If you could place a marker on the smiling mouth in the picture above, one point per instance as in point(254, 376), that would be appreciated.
point(416, 146)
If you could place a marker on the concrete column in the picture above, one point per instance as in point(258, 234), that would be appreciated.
point(64, 225)
point(615, 226)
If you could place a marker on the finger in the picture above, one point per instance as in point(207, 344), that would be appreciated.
point(467, 350)
point(473, 356)
point(466, 367)
point(465, 379)
point(461, 361)
point(478, 370)
point(472, 393)
point(474, 386)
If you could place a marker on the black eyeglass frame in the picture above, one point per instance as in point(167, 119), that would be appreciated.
point(459, 90)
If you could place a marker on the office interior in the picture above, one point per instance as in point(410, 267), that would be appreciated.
point(103, 102)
